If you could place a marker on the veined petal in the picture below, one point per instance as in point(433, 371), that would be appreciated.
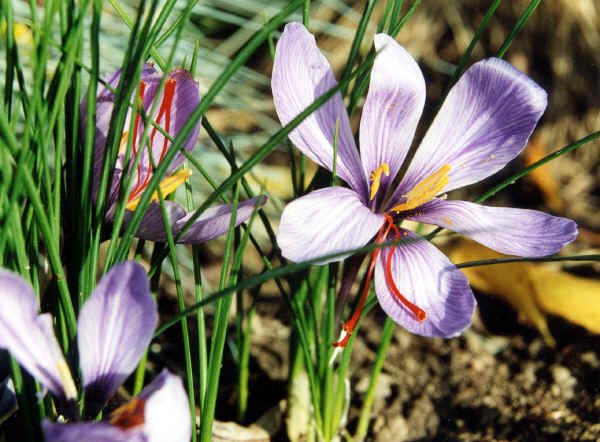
point(324, 222)
point(392, 110)
point(185, 97)
point(30, 337)
point(484, 123)
point(426, 278)
point(215, 221)
point(167, 415)
point(89, 431)
point(114, 329)
point(520, 232)
point(152, 226)
point(301, 74)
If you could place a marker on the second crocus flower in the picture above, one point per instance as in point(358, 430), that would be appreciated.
point(175, 103)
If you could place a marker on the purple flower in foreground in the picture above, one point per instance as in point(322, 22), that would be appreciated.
point(160, 413)
point(178, 99)
point(114, 328)
point(484, 123)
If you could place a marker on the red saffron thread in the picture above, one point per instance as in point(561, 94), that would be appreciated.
point(165, 110)
point(420, 315)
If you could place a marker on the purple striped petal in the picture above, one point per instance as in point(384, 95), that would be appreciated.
point(114, 329)
point(167, 411)
point(428, 279)
point(215, 221)
point(185, 98)
point(324, 222)
point(392, 110)
point(30, 337)
point(89, 431)
point(152, 226)
point(520, 232)
point(484, 123)
point(300, 75)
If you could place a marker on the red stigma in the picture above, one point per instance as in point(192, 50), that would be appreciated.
point(420, 315)
point(164, 111)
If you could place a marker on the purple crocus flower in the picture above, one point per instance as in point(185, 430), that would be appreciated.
point(160, 413)
point(178, 99)
point(484, 123)
point(115, 327)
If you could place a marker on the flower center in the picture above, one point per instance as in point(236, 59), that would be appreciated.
point(425, 190)
point(376, 178)
point(419, 314)
point(129, 415)
point(169, 184)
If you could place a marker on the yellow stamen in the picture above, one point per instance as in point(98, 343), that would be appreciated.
point(67, 380)
point(426, 190)
point(123, 143)
point(167, 186)
point(376, 178)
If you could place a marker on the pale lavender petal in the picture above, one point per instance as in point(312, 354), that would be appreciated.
point(484, 123)
point(114, 329)
point(152, 226)
point(89, 431)
point(186, 97)
point(215, 221)
point(30, 337)
point(324, 222)
point(520, 232)
point(300, 75)
point(392, 110)
point(167, 415)
point(425, 277)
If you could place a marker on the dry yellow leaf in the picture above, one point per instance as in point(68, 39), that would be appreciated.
point(533, 289)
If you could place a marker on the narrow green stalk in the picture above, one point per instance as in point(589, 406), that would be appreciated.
point(365, 412)
point(357, 42)
point(219, 334)
point(517, 28)
point(23, 399)
point(306, 13)
point(467, 54)
point(404, 19)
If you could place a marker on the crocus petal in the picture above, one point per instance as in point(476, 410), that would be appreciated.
point(186, 97)
point(300, 75)
point(30, 337)
point(114, 329)
point(91, 431)
point(167, 415)
point(215, 221)
point(324, 222)
point(152, 226)
point(392, 110)
point(484, 123)
point(520, 232)
point(426, 278)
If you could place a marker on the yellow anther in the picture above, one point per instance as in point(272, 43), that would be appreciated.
point(66, 380)
point(376, 178)
point(123, 143)
point(167, 186)
point(426, 190)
